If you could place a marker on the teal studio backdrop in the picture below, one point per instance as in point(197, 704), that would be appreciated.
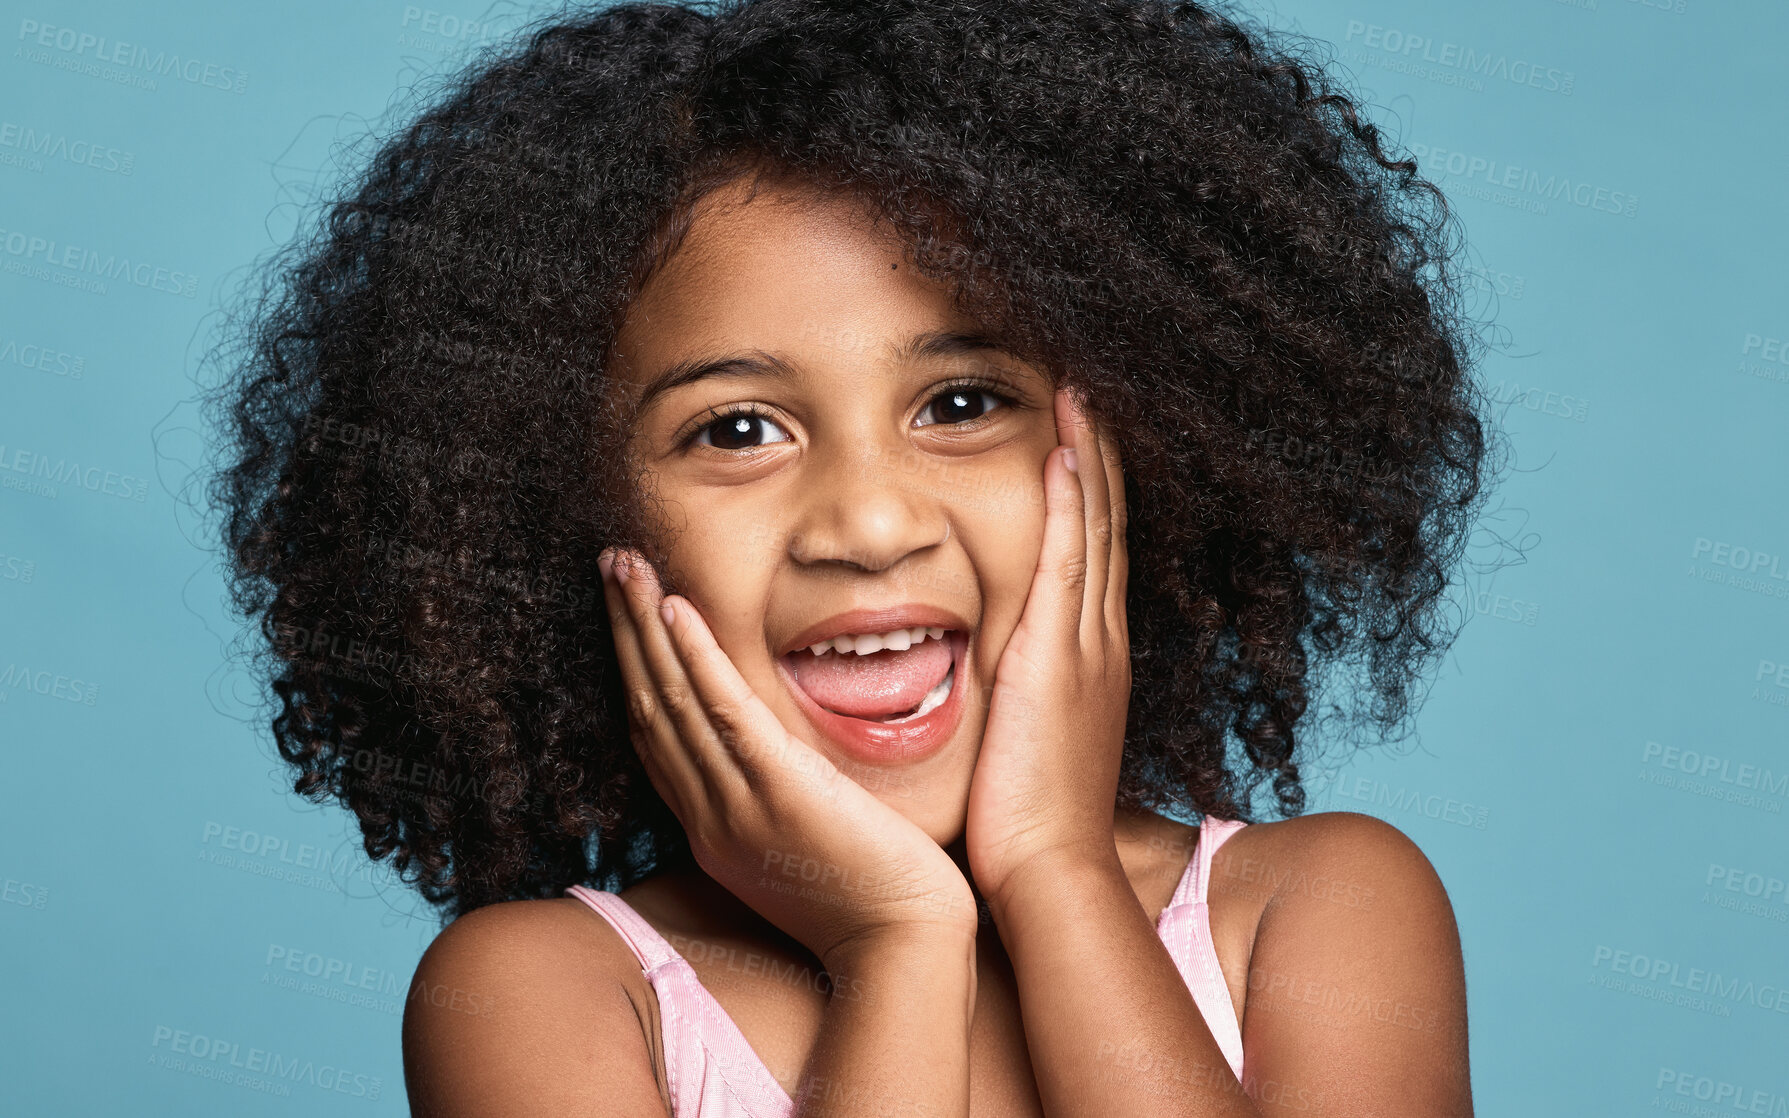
point(1600, 774)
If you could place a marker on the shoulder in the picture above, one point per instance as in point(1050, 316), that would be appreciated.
point(529, 941)
point(1338, 874)
point(1356, 962)
point(526, 1006)
point(1343, 857)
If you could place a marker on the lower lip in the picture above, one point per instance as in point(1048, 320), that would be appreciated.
point(882, 743)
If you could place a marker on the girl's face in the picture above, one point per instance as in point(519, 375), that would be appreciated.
point(836, 450)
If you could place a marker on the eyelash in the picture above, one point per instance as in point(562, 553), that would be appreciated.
point(717, 415)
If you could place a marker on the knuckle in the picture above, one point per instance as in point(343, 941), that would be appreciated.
point(730, 728)
point(699, 760)
point(747, 752)
point(678, 700)
point(1073, 572)
point(641, 706)
point(731, 740)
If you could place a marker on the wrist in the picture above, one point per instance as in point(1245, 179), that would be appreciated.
point(934, 968)
point(1047, 872)
point(895, 946)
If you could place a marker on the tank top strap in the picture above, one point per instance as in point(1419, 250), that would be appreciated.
point(1195, 884)
point(642, 939)
point(710, 1068)
point(1185, 929)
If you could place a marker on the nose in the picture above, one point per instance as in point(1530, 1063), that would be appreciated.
point(859, 514)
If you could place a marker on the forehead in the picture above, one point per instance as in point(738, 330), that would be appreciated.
point(791, 268)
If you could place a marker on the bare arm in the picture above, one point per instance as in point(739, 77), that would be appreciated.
point(511, 1015)
point(1363, 1005)
point(1351, 1011)
point(1110, 1023)
point(895, 1039)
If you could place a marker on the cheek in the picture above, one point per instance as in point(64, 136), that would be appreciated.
point(1005, 539)
point(725, 557)
point(1016, 531)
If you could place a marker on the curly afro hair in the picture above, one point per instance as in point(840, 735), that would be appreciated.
point(1155, 206)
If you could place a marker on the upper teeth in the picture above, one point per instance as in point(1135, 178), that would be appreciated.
point(865, 643)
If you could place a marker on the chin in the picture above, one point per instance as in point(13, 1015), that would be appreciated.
point(933, 795)
point(942, 819)
point(942, 815)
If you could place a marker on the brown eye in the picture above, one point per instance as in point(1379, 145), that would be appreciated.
point(740, 430)
point(962, 404)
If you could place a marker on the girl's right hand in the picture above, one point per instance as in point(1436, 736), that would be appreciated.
point(756, 801)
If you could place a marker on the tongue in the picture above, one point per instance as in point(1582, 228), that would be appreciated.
point(877, 685)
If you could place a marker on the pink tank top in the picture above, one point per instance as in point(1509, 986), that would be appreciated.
point(713, 1073)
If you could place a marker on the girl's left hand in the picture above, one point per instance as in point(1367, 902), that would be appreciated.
point(1046, 780)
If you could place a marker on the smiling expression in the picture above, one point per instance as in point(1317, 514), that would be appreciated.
point(823, 432)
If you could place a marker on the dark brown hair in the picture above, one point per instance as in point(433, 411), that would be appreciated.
point(1153, 203)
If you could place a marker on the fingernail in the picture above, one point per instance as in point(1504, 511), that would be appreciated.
point(1071, 460)
point(621, 573)
point(665, 611)
point(605, 561)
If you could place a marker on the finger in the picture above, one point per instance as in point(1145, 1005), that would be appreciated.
point(672, 773)
point(1089, 445)
point(748, 729)
point(1054, 604)
point(1118, 573)
point(678, 713)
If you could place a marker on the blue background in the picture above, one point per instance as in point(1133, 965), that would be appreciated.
point(1602, 769)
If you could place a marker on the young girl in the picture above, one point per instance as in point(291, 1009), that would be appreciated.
point(700, 487)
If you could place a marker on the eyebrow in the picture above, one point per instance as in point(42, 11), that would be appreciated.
point(928, 346)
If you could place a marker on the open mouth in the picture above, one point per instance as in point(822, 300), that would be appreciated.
point(886, 678)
